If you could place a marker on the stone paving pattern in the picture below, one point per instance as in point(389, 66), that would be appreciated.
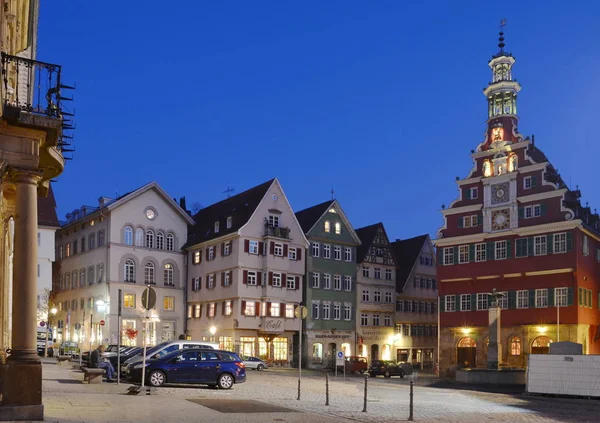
point(67, 399)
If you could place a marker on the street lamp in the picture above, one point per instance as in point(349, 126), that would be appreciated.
point(213, 330)
point(53, 311)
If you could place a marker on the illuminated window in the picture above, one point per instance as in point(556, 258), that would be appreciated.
point(129, 300)
point(228, 308)
point(250, 309)
point(327, 226)
point(169, 303)
point(197, 255)
point(338, 228)
point(275, 309)
point(289, 311)
point(317, 355)
point(197, 310)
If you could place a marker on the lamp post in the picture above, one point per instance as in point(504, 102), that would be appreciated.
point(212, 331)
point(52, 312)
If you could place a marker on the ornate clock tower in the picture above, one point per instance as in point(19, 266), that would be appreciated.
point(518, 228)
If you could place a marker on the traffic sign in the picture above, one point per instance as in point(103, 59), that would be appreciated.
point(77, 326)
point(301, 311)
point(42, 323)
point(102, 322)
point(340, 358)
point(149, 298)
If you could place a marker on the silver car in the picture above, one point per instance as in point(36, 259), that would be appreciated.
point(255, 363)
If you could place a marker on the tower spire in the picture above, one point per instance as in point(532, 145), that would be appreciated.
point(501, 37)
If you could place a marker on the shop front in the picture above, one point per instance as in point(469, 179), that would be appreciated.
point(323, 345)
point(377, 344)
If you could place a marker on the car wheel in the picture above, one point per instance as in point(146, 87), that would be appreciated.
point(260, 367)
point(361, 371)
point(387, 374)
point(157, 378)
point(225, 381)
point(402, 374)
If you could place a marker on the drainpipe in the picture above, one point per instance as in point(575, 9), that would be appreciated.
point(185, 293)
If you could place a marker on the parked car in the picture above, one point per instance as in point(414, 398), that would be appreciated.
point(191, 366)
point(162, 349)
point(69, 348)
point(388, 368)
point(110, 349)
point(255, 363)
point(126, 354)
point(356, 364)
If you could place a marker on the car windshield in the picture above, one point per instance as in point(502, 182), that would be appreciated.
point(157, 347)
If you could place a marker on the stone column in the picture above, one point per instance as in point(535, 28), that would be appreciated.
point(22, 389)
point(494, 353)
point(24, 346)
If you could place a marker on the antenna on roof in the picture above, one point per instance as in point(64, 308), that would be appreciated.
point(332, 194)
point(229, 190)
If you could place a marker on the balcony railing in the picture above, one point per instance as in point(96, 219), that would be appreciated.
point(277, 231)
point(32, 86)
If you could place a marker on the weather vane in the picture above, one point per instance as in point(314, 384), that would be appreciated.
point(502, 24)
point(229, 190)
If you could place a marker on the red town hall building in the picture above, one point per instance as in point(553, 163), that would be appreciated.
point(518, 228)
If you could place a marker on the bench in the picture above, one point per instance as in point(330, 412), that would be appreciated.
point(61, 358)
point(91, 375)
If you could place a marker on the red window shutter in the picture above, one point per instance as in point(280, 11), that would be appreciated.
point(285, 250)
point(297, 284)
point(207, 282)
point(207, 309)
point(223, 279)
point(270, 283)
point(200, 315)
point(268, 308)
point(245, 281)
point(261, 248)
point(257, 308)
point(243, 308)
point(223, 249)
point(283, 280)
point(246, 245)
point(272, 247)
point(223, 308)
point(200, 256)
point(258, 278)
point(298, 253)
point(231, 306)
point(282, 310)
point(207, 248)
point(200, 282)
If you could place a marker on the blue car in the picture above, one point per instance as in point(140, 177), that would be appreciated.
point(192, 366)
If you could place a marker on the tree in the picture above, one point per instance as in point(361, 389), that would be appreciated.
point(196, 207)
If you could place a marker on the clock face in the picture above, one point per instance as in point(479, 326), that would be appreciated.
point(500, 220)
point(500, 193)
point(150, 214)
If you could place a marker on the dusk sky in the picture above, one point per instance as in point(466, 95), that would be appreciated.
point(380, 100)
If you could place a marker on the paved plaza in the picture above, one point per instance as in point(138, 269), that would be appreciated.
point(270, 396)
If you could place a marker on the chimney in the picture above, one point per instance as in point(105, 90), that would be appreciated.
point(182, 203)
point(103, 201)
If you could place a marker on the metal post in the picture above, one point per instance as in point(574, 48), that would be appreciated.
point(410, 407)
point(365, 405)
point(299, 349)
point(557, 320)
point(119, 337)
point(326, 388)
point(91, 325)
point(46, 344)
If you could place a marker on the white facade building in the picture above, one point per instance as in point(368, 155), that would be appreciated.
point(247, 260)
point(47, 226)
point(122, 246)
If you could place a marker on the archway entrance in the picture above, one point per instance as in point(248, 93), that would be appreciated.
point(331, 352)
point(374, 352)
point(541, 345)
point(466, 353)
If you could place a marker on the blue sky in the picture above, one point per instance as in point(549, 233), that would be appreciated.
point(380, 100)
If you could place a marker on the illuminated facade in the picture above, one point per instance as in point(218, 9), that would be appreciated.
point(518, 228)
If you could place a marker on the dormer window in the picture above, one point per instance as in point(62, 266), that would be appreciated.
point(229, 220)
point(273, 221)
point(332, 210)
point(338, 228)
point(327, 226)
point(216, 227)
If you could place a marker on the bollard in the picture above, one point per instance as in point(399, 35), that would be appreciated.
point(410, 407)
point(298, 389)
point(365, 406)
point(326, 388)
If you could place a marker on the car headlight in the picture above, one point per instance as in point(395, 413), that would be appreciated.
point(139, 365)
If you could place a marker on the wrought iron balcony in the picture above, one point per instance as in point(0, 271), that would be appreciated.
point(277, 231)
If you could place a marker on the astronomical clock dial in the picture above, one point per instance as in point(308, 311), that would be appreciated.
point(500, 193)
point(500, 219)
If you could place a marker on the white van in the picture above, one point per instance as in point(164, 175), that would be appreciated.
point(165, 348)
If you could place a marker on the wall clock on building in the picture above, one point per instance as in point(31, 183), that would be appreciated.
point(500, 193)
point(500, 219)
point(150, 213)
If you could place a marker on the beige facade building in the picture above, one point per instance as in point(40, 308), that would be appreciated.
point(247, 259)
point(121, 246)
point(376, 291)
point(415, 338)
point(31, 150)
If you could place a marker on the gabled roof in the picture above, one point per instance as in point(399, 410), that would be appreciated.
point(367, 236)
point(307, 218)
point(407, 252)
point(47, 210)
point(133, 194)
point(240, 208)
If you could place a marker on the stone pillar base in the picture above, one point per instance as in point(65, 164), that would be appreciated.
point(21, 389)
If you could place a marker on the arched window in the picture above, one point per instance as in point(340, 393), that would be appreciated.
point(68, 281)
point(74, 278)
point(170, 242)
point(149, 239)
point(129, 271)
point(467, 343)
point(317, 355)
point(160, 240)
point(327, 226)
point(128, 235)
point(515, 345)
point(82, 277)
point(338, 228)
point(139, 237)
point(90, 275)
point(169, 275)
point(149, 278)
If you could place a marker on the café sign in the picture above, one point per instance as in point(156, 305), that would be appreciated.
point(273, 325)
